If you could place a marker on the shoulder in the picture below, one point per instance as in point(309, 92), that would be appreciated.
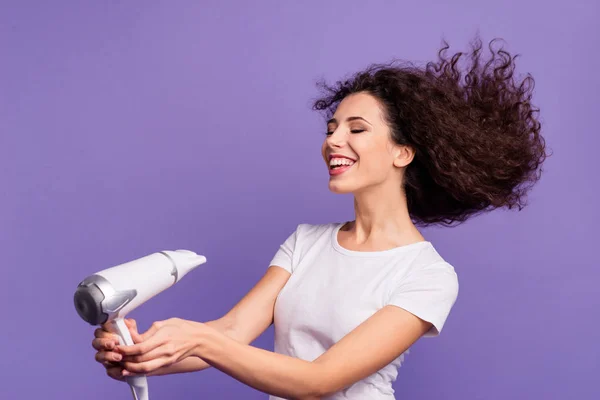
point(439, 276)
point(441, 267)
point(430, 261)
point(426, 270)
point(309, 231)
point(305, 233)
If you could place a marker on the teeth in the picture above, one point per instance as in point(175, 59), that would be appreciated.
point(340, 161)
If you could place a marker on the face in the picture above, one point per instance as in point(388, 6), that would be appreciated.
point(358, 150)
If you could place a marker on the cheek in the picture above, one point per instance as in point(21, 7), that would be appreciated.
point(377, 166)
point(375, 158)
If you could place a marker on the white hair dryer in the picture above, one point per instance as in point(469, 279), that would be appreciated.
point(108, 295)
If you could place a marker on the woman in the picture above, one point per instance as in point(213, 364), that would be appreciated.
point(414, 147)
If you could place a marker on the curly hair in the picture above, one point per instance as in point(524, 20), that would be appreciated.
point(476, 137)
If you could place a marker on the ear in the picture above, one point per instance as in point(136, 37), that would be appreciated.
point(403, 156)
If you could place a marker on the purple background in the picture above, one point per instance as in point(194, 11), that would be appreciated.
point(128, 127)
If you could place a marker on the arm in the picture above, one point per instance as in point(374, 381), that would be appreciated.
point(193, 364)
point(362, 352)
point(246, 321)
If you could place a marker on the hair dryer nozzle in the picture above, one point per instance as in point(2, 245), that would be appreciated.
point(184, 261)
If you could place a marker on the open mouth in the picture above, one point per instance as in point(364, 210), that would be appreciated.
point(337, 165)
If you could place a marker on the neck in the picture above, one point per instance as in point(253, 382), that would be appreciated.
point(382, 217)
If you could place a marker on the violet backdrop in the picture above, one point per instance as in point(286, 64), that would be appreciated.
point(133, 127)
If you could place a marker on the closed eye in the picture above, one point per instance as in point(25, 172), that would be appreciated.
point(352, 131)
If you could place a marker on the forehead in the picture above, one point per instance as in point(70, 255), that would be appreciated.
point(360, 105)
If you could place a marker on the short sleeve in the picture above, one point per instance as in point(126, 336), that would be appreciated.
point(284, 257)
point(429, 293)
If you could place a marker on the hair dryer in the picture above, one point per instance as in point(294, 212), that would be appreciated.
point(108, 295)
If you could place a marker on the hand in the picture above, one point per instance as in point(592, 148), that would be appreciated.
point(105, 342)
point(165, 343)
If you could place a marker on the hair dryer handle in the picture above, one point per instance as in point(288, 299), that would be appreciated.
point(139, 383)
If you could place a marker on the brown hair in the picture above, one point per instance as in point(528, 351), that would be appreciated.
point(476, 137)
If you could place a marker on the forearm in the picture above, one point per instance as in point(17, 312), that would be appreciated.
point(194, 364)
point(190, 364)
point(263, 370)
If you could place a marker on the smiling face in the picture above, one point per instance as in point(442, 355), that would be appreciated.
point(358, 149)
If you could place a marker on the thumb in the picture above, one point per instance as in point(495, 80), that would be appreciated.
point(133, 331)
point(151, 331)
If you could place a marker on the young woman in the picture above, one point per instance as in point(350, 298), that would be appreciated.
point(415, 147)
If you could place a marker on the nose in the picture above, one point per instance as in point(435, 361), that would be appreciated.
point(336, 139)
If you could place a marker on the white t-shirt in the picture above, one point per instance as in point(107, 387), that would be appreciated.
point(332, 290)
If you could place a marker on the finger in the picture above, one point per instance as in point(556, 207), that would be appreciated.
point(155, 327)
point(131, 323)
point(133, 330)
point(111, 364)
point(163, 351)
point(108, 356)
point(104, 343)
point(130, 368)
point(101, 333)
point(115, 373)
point(146, 341)
point(140, 348)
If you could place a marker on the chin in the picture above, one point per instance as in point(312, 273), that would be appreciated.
point(340, 188)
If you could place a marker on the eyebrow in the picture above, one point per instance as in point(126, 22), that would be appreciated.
point(334, 121)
